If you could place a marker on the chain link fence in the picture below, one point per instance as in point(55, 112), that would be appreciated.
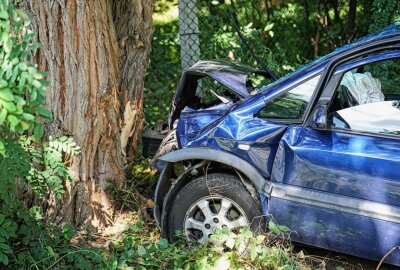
point(237, 30)
point(189, 33)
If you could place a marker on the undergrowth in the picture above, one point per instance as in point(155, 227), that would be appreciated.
point(137, 248)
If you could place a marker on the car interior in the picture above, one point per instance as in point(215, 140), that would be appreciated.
point(367, 84)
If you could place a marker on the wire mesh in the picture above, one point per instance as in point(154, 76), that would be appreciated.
point(207, 31)
point(283, 33)
point(189, 33)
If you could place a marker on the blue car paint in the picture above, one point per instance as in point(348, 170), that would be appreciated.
point(358, 166)
point(238, 126)
point(370, 59)
point(336, 230)
point(364, 167)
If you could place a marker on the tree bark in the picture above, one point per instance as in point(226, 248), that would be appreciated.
point(133, 25)
point(351, 18)
point(96, 52)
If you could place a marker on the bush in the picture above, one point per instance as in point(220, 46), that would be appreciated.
point(25, 161)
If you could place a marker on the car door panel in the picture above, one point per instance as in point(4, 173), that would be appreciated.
point(338, 230)
point(338, 191)
point(347, 164)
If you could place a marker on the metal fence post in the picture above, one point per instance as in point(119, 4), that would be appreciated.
point(188, 32)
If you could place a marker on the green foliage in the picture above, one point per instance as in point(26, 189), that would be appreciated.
point(48, 160)
point(163, 73)
point(13, 165)
point(25, 160)
point(136, 252)
point(42, 166)
point(22, 85)
point(384, 12)
point(51, 248)
point(8, 229)
point(277, 229)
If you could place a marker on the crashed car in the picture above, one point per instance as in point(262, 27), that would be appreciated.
point(316, 150)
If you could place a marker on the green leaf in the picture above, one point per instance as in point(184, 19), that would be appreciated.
point(141, 251)
point(284, 229)
point(38, 132)
point(50, 251)
point(273, 227)
point(44, 112)
point(3, 15)
point(4, 246)
point(162, 243)
point(37, 76)
point(13, 120)
point(8, 46)
point(6, 94)
point(8, 105)
point(28, 116)
point(22, 66)
point(2, 149)
point(3, 115)
point(3, 83)
point(4, 259)
point(36, 83)
point(150, 262)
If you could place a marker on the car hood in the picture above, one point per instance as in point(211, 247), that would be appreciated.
point(230, 74)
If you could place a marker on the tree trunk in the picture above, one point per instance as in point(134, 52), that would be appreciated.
point(96, 52)
point(351, 18)
point(133, 25)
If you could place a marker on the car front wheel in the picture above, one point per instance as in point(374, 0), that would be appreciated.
point(212, 202)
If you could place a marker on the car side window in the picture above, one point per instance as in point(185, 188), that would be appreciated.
point(377, 117)
point(367, 99)
point(292, 104)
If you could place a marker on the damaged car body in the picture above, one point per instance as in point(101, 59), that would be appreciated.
point(316, 150)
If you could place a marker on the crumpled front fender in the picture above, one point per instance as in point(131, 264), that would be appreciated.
point(165, 189)
point(199, 153)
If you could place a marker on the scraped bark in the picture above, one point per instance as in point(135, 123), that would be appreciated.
point(133, 26)
point(96, 52)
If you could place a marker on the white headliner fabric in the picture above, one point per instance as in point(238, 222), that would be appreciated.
point(363, 87)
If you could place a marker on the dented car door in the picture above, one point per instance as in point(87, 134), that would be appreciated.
point(338, 185)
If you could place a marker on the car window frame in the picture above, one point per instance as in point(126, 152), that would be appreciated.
point(337, 76)
point(284, 92)
point(325, 89)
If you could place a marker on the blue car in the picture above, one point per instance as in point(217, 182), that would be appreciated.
point(317, 150)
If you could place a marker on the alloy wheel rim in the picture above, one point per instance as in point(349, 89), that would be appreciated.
point(211, 213)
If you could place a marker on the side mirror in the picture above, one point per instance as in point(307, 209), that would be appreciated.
point(319, 118)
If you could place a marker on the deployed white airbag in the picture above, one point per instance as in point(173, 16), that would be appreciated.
point(363, 87)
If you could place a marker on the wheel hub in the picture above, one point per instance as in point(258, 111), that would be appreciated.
point(211, 213)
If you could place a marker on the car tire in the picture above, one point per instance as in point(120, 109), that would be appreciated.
point(222, 193)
